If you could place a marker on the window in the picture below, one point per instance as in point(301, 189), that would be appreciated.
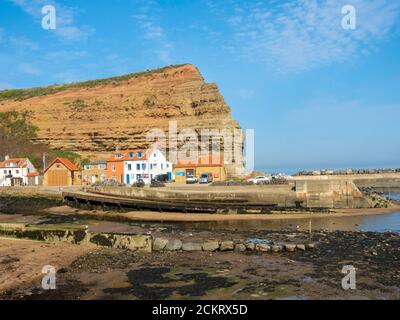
point(5, 171)
point(155, 155)
point(114, 177)
point(102, 166)
point(143, 166)
point(155, 165)
point(151, 166)
point(138, 177)
point(87, 167)
point(167, 165)
point(140, 154)
point(129, 167)
point(119, 155)
point(17, 171)
point(131, 154)
point(113, 168)
point(162, 166)
point(138, 166)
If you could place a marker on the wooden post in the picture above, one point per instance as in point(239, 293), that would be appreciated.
point(309, 232)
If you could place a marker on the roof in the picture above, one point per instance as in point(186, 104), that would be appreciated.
point(210, 160)
point(21, 163)
point(130, 155)
point(32, 174)
point(68, 164)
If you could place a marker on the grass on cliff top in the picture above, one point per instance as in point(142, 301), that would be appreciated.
point(23, 94)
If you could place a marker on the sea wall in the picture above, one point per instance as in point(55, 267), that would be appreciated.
point(145, 243)
point(376, 180)
point(279, 195)
point(133, 242)
point(330, 194)
point(326, 194)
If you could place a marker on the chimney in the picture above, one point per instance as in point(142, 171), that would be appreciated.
point(7, 157)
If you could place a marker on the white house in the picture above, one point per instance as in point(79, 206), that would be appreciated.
point(145, 166)
point(17, 172)
point(138, 165)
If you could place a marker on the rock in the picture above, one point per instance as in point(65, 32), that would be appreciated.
point(262, 247)
point(237, 241)
point(206, 108)
point(290, 247)
point(211, 246)
point(159, 244)
point(240, 247)
point(226, 246)
point(310, 246)
point(173, 245)
point(250, 246)
point(301, 247)
point(276, 248)
point(190, 246)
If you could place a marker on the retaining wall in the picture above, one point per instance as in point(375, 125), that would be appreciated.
point(144, 243)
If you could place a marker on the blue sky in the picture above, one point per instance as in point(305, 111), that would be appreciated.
point(316, 94)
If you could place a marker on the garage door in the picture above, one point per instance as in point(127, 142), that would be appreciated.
point(58, 178)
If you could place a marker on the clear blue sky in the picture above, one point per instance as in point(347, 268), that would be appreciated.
point(316, 94)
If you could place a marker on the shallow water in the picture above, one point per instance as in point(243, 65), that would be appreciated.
point(375, 223)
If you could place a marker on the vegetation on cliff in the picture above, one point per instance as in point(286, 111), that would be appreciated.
point(23, 94)
point(17, 136)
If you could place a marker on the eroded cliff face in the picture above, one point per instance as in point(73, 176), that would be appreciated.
point(96, 118)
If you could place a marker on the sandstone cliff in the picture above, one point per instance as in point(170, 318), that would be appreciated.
point(94, 117)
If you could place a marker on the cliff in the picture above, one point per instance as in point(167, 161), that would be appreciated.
point(94, 117)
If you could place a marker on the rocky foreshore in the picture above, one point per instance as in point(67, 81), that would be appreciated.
point(107, 273)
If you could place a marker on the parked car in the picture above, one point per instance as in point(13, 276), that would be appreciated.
point(190, 179)
point(260, 180)
point(160, 178)
point(206, 178)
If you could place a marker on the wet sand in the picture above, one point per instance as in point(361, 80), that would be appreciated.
point(21, 261)
point(118, 274)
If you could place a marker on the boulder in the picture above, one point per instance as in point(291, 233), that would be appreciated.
point(290, 247)
point(262, 247)
point(240, 247)
point(226, 246)
point(191, 246)
point(211, 246)
point(159, 244)
point(310, 246)
point(301, 247)
point(276, 248)
point(250, 246)
point(173, 245)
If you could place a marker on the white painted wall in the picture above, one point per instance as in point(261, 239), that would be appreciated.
point(17, 173)
point(146, 169)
